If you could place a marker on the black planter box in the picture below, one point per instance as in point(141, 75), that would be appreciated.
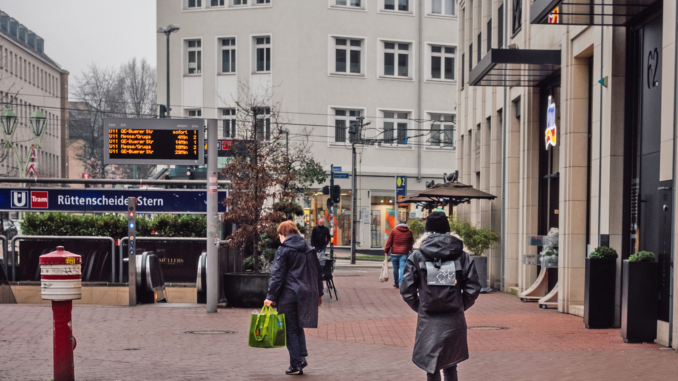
point(639, 302)
point(599, 292)
point(246, 290)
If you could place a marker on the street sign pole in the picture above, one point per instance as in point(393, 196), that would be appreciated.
point(212, 265)
point(331, 204)
point(131, 257)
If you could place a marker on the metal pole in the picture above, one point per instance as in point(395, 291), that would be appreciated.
point(168, 74)
point(131, 247)
point(331, 213)
point(212, 265)
point(354, 205)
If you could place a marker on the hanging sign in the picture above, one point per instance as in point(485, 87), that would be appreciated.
point(551, 125)
point(553, 17)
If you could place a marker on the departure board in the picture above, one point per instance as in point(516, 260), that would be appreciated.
point(154, 141)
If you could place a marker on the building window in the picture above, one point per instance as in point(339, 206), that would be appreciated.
point(192, 4)
point(348, 3)
point(263, 2)
point(194, 56)
point(348, 56)
point(344, 122)
point(442, 7)
point(263, 54)
point(397, 5)
point(489, 34)
point(194, 113)
point(395, 127)
point(480, 46)
point(228, 123)
point(396, 59)
point(500, 27)
point(442, 62)
point(216, 3)
point(470, 57)
point(442, 130)
point(463, 63)
point(517, 15)
point(228, 55)
point(263, 123)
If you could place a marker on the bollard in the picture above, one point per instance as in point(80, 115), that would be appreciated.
point(61, 283)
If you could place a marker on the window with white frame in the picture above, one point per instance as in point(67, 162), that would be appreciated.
point(262, 2)
point(227, 55)
point(193, 4)
point(344, 122)
point(442, 7)
point(239, 2)
point(262, 54)
point(216, 3)
point(348, 3)
point(442, 62)
point(194, 56)
point(348, 55)
point(397, 5)
point(396, 59)
point(442, 130)
point(194, 113)
point(228, 122)
point(263, 123)
point(395, 128)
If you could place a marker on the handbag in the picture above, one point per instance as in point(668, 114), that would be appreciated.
point(383, 277)
point(267, 329)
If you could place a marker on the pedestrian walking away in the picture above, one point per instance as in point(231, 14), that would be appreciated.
point(440, 283)
point(296, 287)
point(320, 236)
point(399, 243)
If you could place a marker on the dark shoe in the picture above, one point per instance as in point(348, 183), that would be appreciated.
point(294, 371)
point(396, 286)
point(304, 364)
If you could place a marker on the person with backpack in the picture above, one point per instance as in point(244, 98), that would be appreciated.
point(399, 243)
point(440, 283)
point(296, 287)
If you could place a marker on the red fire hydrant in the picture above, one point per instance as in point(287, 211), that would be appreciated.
point(62, 283)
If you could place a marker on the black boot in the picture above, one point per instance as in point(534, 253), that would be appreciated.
point(294, 371)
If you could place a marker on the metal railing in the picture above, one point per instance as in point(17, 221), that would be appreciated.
point(126, 239)
point(57, 238)
point(4, 253)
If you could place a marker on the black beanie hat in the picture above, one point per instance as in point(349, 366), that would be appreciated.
point(437, 222)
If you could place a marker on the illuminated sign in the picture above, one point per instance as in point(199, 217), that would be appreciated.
point(551, 125)
point(553, 17)
point(154, 141)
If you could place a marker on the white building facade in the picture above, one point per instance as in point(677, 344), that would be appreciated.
point(327, 62)
point(30, 81)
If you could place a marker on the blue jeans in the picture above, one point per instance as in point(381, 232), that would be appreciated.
point(399, 261)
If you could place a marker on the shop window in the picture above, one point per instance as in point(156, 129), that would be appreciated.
point(383, 219)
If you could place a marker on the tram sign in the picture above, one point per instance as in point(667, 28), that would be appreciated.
point(154, 141)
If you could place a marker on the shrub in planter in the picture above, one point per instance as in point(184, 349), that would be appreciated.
point(601, 272)
point(416, 227)
point(639, 298)
point(476, 241)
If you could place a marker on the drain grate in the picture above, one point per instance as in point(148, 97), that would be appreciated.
point(210, 332)
point(131, 349)
point(489, 328)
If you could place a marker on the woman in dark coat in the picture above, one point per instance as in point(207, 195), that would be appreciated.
point(440, 283)
point(296, 287)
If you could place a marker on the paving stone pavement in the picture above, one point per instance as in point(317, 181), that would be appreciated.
point(367, 335)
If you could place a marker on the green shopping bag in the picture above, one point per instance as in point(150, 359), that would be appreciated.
point(267, 329)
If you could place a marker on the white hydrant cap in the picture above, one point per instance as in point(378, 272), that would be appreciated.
point(60, 275)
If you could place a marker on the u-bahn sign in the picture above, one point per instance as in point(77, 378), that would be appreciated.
point(105, 200)
point(154, 141)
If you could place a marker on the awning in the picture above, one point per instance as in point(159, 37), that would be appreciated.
point(588, 12)
point(456, 193)
point(515, 67)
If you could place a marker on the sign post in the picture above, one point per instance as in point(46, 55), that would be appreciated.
point(131, 257)
point(212, 264)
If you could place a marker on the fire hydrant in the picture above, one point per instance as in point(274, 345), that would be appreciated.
point(61, 282)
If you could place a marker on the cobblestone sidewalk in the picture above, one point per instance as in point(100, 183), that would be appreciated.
point(367, 335)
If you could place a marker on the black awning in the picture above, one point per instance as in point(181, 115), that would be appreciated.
point(588, 12)
point(515, 67)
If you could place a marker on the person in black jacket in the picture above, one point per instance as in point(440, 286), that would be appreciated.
point(296, 287)
point(320, 236)
point(440, 283)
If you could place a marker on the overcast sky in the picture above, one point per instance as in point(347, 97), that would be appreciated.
point(78, 33)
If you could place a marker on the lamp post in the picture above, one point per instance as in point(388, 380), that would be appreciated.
point(167, 31)
point(38, 122)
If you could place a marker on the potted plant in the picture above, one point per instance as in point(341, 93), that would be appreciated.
point(476, 241)
point(639, 298)
point(601, 272)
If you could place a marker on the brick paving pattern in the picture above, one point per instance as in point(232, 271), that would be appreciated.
point(367, 335)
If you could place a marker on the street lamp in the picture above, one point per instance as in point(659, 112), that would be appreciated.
point(38, 123)
point(9, 121)
point(167, 31)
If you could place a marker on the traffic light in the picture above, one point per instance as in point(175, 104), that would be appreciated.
point(132, 223)
point(336, 194)
point(326, 190)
